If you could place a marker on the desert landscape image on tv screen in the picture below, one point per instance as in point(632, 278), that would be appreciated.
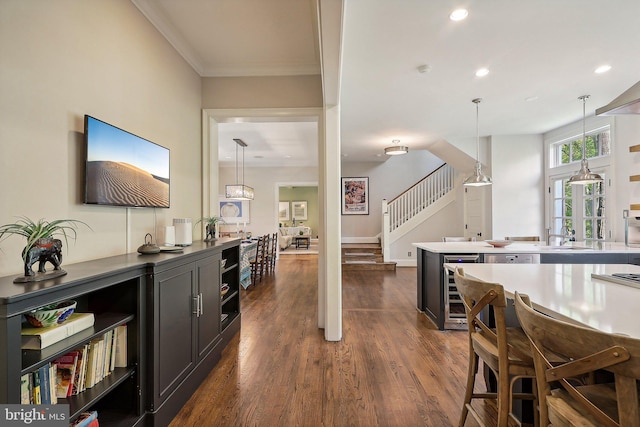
point(123, 169)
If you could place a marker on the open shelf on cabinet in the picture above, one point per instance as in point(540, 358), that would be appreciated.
point(225, 321)
point(88, 398)
point(229, 268)
point(229, 296)
point(33, 359)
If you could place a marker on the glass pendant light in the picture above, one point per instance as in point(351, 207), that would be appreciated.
point(584, 175)
point(478, 178)
point(239, 191)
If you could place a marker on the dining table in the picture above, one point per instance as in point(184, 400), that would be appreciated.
point(586, 294)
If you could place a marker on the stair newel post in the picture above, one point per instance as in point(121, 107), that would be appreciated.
point(384, 244)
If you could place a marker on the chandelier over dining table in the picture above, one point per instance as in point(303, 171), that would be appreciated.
point(239, 191)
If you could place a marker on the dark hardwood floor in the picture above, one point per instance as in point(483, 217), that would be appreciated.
point(392, 367)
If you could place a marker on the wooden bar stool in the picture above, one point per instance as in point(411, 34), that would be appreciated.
point(504, 350)
point(566, 401)
point(523, 238)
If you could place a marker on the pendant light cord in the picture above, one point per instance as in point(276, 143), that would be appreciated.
point(477, 101)
point(584, 126)
point(236, 163)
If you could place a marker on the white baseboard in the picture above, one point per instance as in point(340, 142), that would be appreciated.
point(406, 262)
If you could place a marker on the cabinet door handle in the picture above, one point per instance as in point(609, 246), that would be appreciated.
point(200, 305)
point(195, 306)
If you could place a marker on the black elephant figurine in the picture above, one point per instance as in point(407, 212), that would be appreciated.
point(211, 232)
point(43, 250)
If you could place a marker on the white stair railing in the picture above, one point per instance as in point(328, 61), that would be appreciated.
point(414, 200)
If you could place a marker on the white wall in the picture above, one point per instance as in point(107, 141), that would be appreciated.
point(518, 186)
point(66, 58)
point(627, 130)
point(386, 181)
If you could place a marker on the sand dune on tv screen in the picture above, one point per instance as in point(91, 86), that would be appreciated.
point(123, 184)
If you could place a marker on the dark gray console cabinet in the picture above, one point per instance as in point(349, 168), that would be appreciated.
point(173, 309)
point(187, 333)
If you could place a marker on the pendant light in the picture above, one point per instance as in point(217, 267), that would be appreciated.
point(239, 191)
point(396, 149)
point(584, 175)
point(478, 178)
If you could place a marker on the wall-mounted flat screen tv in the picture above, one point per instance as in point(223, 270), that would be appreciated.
point(123, 169)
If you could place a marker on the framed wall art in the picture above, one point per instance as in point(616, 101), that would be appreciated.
point(299, 210)
point(355, 196)
point(283, 211)
point(234, 211)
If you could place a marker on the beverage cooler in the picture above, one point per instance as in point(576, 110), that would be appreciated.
point(454, 315)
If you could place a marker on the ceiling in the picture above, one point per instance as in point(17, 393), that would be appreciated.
point(541, 56)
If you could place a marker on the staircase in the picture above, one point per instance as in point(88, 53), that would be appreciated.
point(410, 209)
point(364, 256)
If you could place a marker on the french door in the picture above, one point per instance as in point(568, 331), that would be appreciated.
point(577, 211)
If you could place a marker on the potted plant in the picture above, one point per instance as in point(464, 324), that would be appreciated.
point(42, 244)
point(210, 222)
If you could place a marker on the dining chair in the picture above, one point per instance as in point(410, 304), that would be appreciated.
point(523, 238)
point(458, 239)
point(274, 250)
point(584, 352)
point(271, 253)
point(504, 350)
point(258, 263)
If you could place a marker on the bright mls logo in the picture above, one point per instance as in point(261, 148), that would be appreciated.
point(34, 415)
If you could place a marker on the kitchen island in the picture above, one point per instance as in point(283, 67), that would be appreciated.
point(436, 293)
point(569, 292)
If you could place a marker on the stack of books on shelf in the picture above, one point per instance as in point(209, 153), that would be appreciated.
point(77, 370)
point(86, 419)
point(38, 338)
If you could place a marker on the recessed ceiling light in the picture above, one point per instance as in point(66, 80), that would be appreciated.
point(482, 72)
point(602, 69)
point(459, 14)
point(531, 98)
point(287, 156)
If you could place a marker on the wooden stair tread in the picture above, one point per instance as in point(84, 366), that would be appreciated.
point(359, 254)
point(364, 256)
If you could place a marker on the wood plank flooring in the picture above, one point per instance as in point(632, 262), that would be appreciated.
point(392, 368)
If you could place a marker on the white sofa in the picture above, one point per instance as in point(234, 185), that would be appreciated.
point(284, 240)
point(286, 235)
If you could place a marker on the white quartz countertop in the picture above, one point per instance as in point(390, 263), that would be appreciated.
point(568, 292)
point(521, 247)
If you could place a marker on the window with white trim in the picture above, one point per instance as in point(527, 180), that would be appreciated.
point(577, 212)
point(569, 150)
